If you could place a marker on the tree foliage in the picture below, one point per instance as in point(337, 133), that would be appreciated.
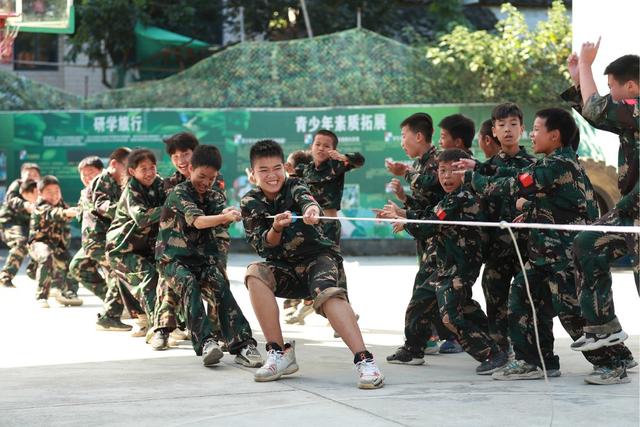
point(514, 63)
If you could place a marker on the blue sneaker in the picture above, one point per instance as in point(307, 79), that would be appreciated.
point(451, 346)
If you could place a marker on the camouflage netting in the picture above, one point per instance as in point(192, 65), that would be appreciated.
point(355, 67)
point(19, 93)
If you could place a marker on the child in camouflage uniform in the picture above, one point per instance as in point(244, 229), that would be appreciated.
point(488, 143)
point(16, 211)
point(555, 190)
point(187, 257)
point(301, 262)
point(458, 260)
point(426, 192)
point(595, 252)
point(49, 236)
point(501, 262)
point(82, 268)
point(457, 131)
point(131, 239)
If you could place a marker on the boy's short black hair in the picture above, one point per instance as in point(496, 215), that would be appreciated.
point(561, 120)
point(206, 156)
point(181, 141)
point(265, 148)
point(506, 110)
point(138, 155)
point(120, 154)
point(28, 186)
point(486, 129)
point(459, 126)
point(26, 166)
point(301, 157)
point(93, 161)
point(419, 122)
point(328, 133)
point(452, 155)
point(47, 180)
point(625, 68)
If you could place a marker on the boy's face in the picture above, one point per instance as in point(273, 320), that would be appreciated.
point(145, 172)
point(449, 180)
point(447, 141)
point(181, 160)
point(119, 171)
point(51, 194)
point(508, 131)
point(488, 147)
point(320, 148)
point(409, 142)
point(269, 174)
point(30, 196)
point(33, 174)
point(202, 177)
point(87, 174)
point(620, 91)
point(544, 142)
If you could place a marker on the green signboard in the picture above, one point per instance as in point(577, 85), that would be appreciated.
point(58, 140)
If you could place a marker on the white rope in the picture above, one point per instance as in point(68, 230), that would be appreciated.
point(501, 224)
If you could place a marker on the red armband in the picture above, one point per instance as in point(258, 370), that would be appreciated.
point(526, 180)
point(441, 214)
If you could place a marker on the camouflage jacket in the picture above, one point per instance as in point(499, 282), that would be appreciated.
point(500, 208)
point(326, 182)
point(178, 239)
point(135, 225)
point(558, 193)
point(423, 179)
point(458, 248)
point(103, 194)
point(83, 204)
point(12, 211)
point(621, 118)
point(299, 241)
point(50, 225)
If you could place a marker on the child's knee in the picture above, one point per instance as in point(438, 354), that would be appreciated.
point(258, 274)
point(325, 295)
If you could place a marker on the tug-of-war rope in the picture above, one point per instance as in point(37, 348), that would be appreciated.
point(509, 226)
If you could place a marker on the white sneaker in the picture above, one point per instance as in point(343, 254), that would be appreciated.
point(369, 376)
point(43, 303)
point(278, 363)
point(249, 357)
point(590, 342)
point(211, 353)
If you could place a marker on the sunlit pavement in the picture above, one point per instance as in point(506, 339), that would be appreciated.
point(56, 369)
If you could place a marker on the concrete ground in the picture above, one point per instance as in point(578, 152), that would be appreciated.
point(56, 369)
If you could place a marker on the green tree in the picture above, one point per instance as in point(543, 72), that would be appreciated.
point(514, 63)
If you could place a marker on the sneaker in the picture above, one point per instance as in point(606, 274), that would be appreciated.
point(369, 376)
point(211, 353)
point(68, 299)
point(494, 363)
point(553, 373)
point(432, 347)
point(43, 303)
point(518, 370)
point(451, 346)
point(142, 327)
point(249, 357)
point(402, 356)
point(299, 317)
point(630, 363)
point(278, 363)
point(7, 284)
point(106, 323)
point(160, 340)
point(179, 335)
point(604, 375)
point(589, 341)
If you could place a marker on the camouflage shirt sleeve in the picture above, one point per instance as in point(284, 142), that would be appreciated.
point(187, 206)
point(256, 224)
point(13, 198)
point(449, 208)
point(137, 206)
point(102, 199)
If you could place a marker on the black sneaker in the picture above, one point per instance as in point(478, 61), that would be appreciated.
point(590, 342)
point(106, 323)
point(402, 356)
point(494, 363)
point(160, 340)
point(68, 298)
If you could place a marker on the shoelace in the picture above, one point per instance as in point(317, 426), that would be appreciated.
point(367, 367)
point(514, 364)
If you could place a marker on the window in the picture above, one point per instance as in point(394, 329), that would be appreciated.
point(35, 47)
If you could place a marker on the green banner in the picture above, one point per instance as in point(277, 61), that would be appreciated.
point(58, 140)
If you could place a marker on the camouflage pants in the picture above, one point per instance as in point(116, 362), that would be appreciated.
point(320, 278)
point(594, 252)
point(501, 266)
point(214, 287)
point(463, 315)
point(113, 300)
point(15, 237)
point(86, 271)
point(139, 275)
point(554, 292)
point(52, 268)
